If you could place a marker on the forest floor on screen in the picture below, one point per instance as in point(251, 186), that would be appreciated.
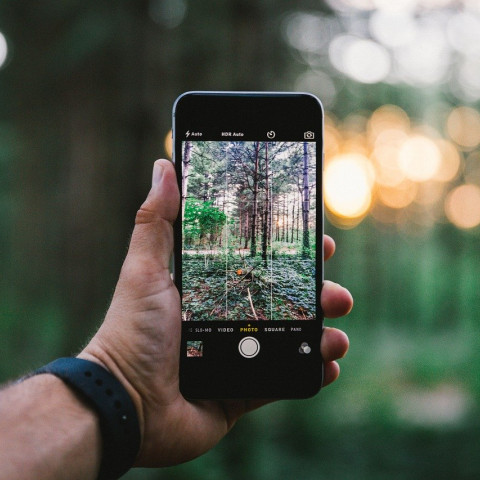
point(244, 289)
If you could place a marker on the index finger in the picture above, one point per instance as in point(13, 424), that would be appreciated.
point(328, 247)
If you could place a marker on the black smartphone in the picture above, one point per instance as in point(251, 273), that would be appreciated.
point(248, 257)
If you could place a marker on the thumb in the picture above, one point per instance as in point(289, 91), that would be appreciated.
point(151, 244)
point(163, 198)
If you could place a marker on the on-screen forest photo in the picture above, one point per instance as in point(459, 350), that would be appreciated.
point(249, 227)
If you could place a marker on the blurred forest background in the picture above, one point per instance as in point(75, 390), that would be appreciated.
point(86, 90)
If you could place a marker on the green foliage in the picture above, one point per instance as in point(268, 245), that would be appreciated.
point(203, 223)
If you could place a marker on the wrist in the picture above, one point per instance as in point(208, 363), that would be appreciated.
point(116, 411)
point(105, 361)
point(52, 432)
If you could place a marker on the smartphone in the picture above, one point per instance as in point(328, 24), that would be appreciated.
point(248, 259)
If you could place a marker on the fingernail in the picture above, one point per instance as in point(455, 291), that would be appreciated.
point(157, 174)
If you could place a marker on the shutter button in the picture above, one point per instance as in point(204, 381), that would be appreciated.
point(249, 347)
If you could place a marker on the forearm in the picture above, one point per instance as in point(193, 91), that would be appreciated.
point(47, 432)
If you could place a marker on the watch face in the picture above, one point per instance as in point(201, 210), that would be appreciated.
point(248, 246)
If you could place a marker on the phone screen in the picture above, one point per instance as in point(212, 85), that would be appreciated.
point(249, 244)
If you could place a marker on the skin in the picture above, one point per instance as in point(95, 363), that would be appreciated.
point(140, 337)
point(47, 432)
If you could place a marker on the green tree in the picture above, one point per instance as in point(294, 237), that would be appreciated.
point(203, 223)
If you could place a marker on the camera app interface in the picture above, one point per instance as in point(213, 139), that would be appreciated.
point(248, 231)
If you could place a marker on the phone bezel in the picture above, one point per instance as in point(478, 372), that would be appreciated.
point(222, 106)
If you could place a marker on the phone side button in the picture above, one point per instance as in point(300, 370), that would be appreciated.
point(249, 347)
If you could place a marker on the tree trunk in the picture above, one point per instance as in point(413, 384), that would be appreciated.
point(266, 211)
point(253, 244)
point(185, 169)
point(305, 203)
point(298, 213)
point(240, 227)
point(293, 220)
point(277, 223)
point(247, 228)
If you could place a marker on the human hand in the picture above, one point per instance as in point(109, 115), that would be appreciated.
point(139, 340)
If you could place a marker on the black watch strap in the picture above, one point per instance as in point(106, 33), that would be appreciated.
point(117, 413)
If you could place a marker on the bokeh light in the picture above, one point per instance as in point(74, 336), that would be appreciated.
point(450, 161)
point(387, 135)
point(168, 13)
point(426, 59)
point(388, 117)
point(348, 182)
point(3, 49)
point(167, 144)
point(399, 171)
point(385, 156)
point(392, 29)
point(399, 196)
point(414, 42)
point(468, 86)
point(308, 32)
point(361, 59)
point(463, 126)
point(462, 206)
point(419, 158)
point(463, 32)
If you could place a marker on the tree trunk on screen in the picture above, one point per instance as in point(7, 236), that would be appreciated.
point(266, 211)
point(305, 203)
point(185, 169)
point(293, 220)
point(253, 243)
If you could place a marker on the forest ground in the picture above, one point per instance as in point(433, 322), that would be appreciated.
point(247, 289)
